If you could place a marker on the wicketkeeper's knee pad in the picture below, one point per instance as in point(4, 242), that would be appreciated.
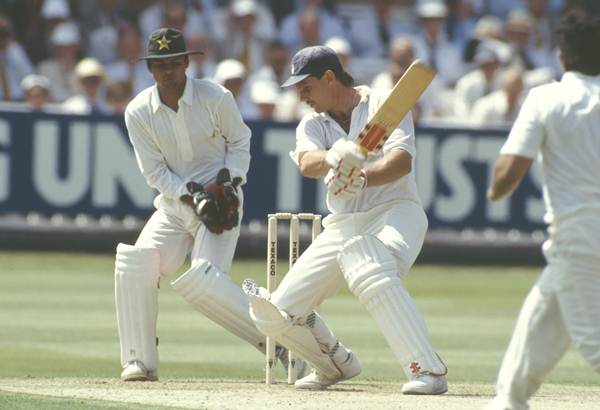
point(214, 294)
point(368, 266)
point(136, 295)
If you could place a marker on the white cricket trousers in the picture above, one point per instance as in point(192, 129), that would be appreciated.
point(563, 307)
point(174, 230)
point(316, 276)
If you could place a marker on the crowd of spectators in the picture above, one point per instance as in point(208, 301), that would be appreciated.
point(82, 57)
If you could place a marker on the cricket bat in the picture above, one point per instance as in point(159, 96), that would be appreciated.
point(401, 100)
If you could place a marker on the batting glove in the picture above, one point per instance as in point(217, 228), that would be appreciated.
point(345, 156)
point(345, 186)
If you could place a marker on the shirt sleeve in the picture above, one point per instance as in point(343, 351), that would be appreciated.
point(236, 134)
point(527, 133)
point(403, 137)
point(307, 138)
point(151, 161)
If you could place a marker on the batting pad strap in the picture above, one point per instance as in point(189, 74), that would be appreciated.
point(136, 295)
point(297, 338)
point(368, 266)
point(213, 294)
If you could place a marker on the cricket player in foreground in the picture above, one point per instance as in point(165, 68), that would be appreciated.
point(193, 147)
point(371, 239)
point(560, 124)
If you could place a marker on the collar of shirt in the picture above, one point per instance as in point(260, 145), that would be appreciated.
point(187, 97)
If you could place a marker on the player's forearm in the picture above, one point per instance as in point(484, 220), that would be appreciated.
point(312, 164)
point(508, 173)
point(391, 167)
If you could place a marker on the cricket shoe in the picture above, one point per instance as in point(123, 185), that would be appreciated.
point(316, 381)
point(426, 383)
point(136, 372)
point(284, 357)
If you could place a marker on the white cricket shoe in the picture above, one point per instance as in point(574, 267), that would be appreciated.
point(316, 381)
point(136, 372)
point(425, 383)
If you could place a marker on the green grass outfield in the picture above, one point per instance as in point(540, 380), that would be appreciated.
point(57, 320)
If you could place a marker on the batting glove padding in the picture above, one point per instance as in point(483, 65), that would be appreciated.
point(345, 185)
point(345, 156)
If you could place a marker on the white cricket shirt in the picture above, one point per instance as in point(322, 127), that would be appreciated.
point(206, 134)
point(561, 123)
point(318, 131)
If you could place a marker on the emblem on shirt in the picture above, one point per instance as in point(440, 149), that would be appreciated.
point(163, 43)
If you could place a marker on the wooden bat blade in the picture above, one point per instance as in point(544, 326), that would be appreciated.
point(401, 100)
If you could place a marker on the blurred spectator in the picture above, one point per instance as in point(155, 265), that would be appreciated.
point(501, 9)
point(90, 100)
point(277, 71)
point(177, 14)
point(118, 95)
point(55, 12)
point(460, 22)
point(544, 24)
point(277, 65)
point(264, 95)
point(309, 26)
point(243, 32)
point(436, 101)
point(128, 67)
point(201, 65)
point(431, 43)
point(14, 63)
point(501, 106)
point(489, 29)
point(519, 35)
point(298, 29)
point(37, 91)
point(65, 40)
point(280, 8)
point(477, 83)
point(231, 74)
point(100, 20)
point(401, 54)
point(372, 30)
point(342, 49)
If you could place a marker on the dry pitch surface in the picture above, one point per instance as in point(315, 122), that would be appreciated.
point(219, 394)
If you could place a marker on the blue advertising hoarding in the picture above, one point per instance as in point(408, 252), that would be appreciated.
point(79, 164)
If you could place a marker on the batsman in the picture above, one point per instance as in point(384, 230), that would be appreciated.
point(372, 236)
point(193, 147)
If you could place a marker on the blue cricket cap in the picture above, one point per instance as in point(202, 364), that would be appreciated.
point(313, 61)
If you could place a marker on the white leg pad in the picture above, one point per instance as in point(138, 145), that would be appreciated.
point(136, 295)
point(213, 294)
point(280, 326)
point(370, 270)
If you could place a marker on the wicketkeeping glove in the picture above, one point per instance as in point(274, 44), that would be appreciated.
point(225, 192)
point(204, 205)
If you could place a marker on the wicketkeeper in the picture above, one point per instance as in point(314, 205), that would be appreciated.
point(371, 239)
point(193, 147)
